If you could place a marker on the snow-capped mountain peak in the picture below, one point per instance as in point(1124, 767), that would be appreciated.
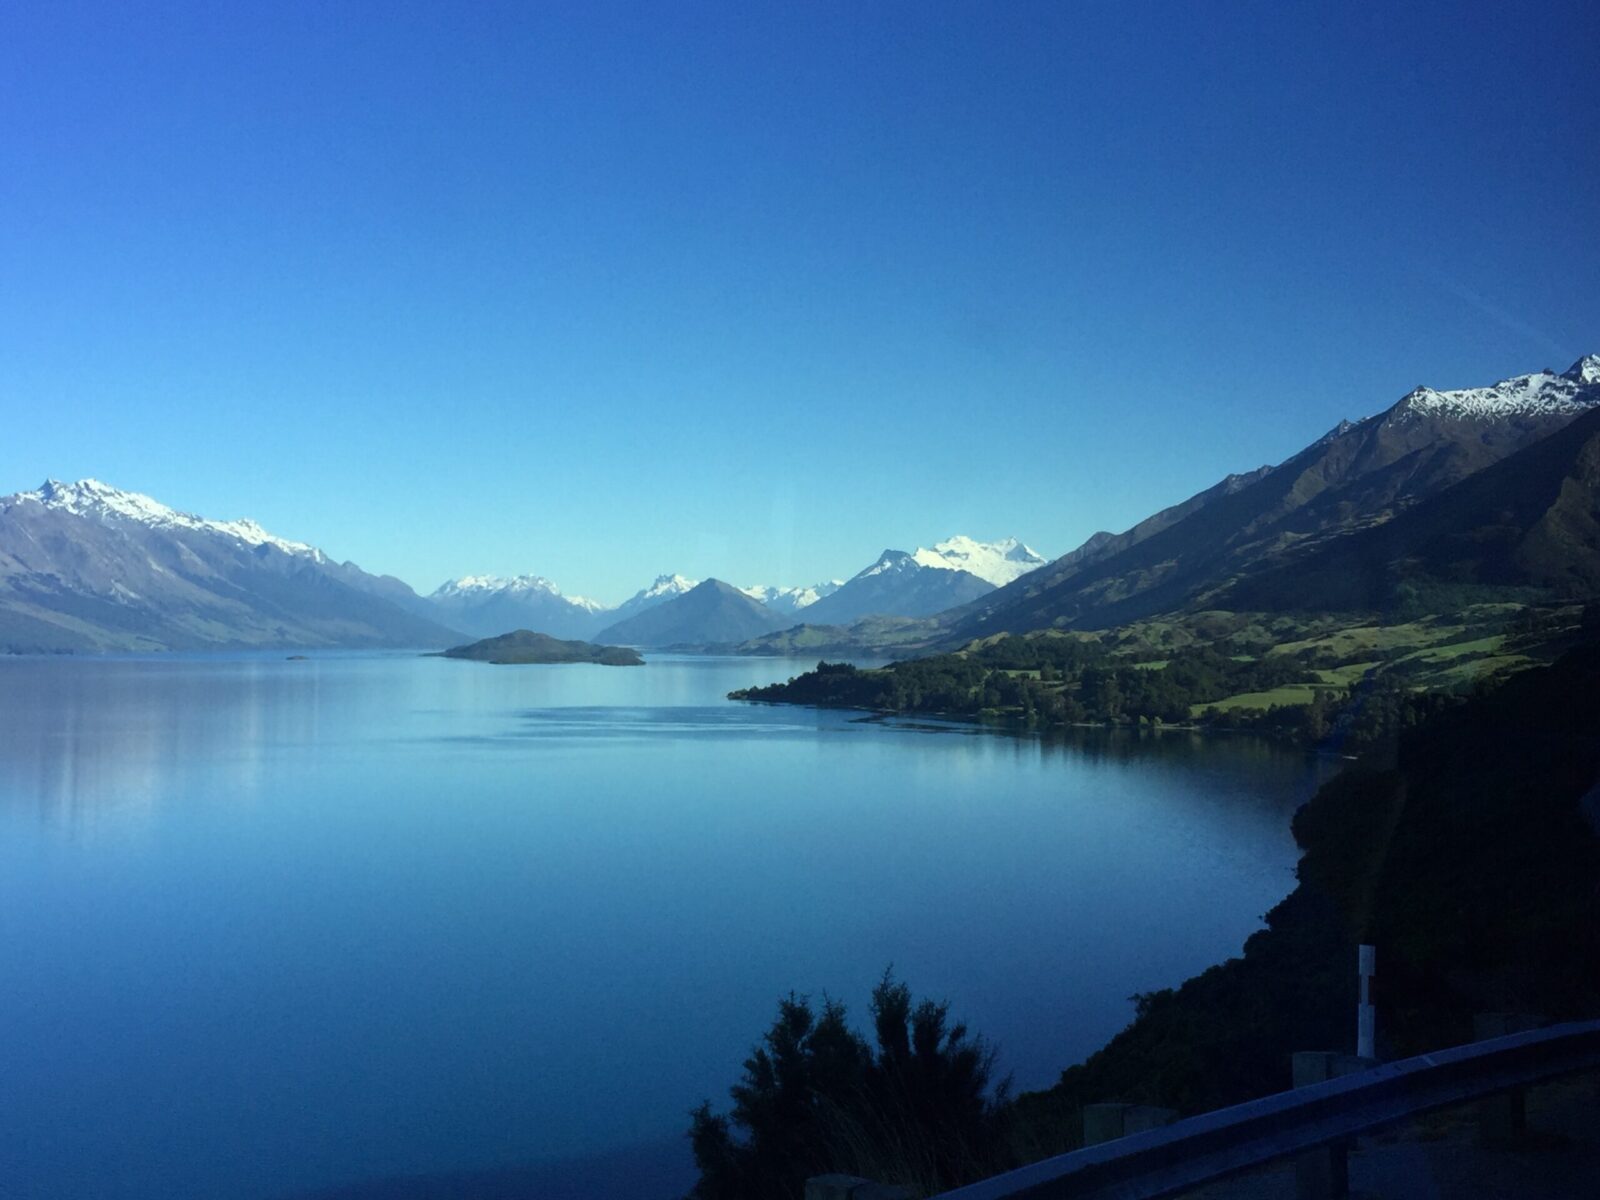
point(995, 562)
point(1539, 394)
point(496, 583)
point(100, 501)
point(894, 561)
point(667, 585)
point(1585, 371)
point(664, 588)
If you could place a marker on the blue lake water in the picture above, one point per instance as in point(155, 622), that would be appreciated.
point(269, 927)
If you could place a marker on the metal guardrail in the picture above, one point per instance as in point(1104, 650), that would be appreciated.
point(1198, 1150)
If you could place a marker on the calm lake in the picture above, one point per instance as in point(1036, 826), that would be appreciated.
point(269, 927)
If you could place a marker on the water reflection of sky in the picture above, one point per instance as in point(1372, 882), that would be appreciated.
point(309, 922)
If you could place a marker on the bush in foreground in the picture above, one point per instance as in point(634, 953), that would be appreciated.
point(816, 1098)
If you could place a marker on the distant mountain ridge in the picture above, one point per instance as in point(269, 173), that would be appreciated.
point(91, 593)
point(88, 567)
point(478, 585)
point(918, 583)
point(965, 568)
point(664, 588)
point(710, 613)
point(488, 604)
point(792, 599)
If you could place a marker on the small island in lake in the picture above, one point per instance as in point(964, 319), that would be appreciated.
point(525, 646)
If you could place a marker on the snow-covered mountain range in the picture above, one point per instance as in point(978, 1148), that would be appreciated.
point(473, 587)
point(899, 583)
point(100, 501)
point(489, 605)
point(86, 566)
point(1542, 393)
point(792, 599)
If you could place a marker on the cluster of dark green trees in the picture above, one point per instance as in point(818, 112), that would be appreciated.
point(1045, 681)
point(1062, 681)
point(1464, 854)
point(918, 1109)
point(1190, 677)
point(1369, 716)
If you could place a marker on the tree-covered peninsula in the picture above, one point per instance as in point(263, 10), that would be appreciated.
point(1346, 682)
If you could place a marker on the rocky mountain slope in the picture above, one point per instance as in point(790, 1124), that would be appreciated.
point(1531, 521)
point(1357, 475)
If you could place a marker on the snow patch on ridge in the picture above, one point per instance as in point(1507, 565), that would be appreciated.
point(1542, 393)
point(792, 599)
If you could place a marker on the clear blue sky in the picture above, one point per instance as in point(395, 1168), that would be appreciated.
point(757, 290)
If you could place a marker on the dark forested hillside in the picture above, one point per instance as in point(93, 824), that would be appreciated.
point(1470, 864)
